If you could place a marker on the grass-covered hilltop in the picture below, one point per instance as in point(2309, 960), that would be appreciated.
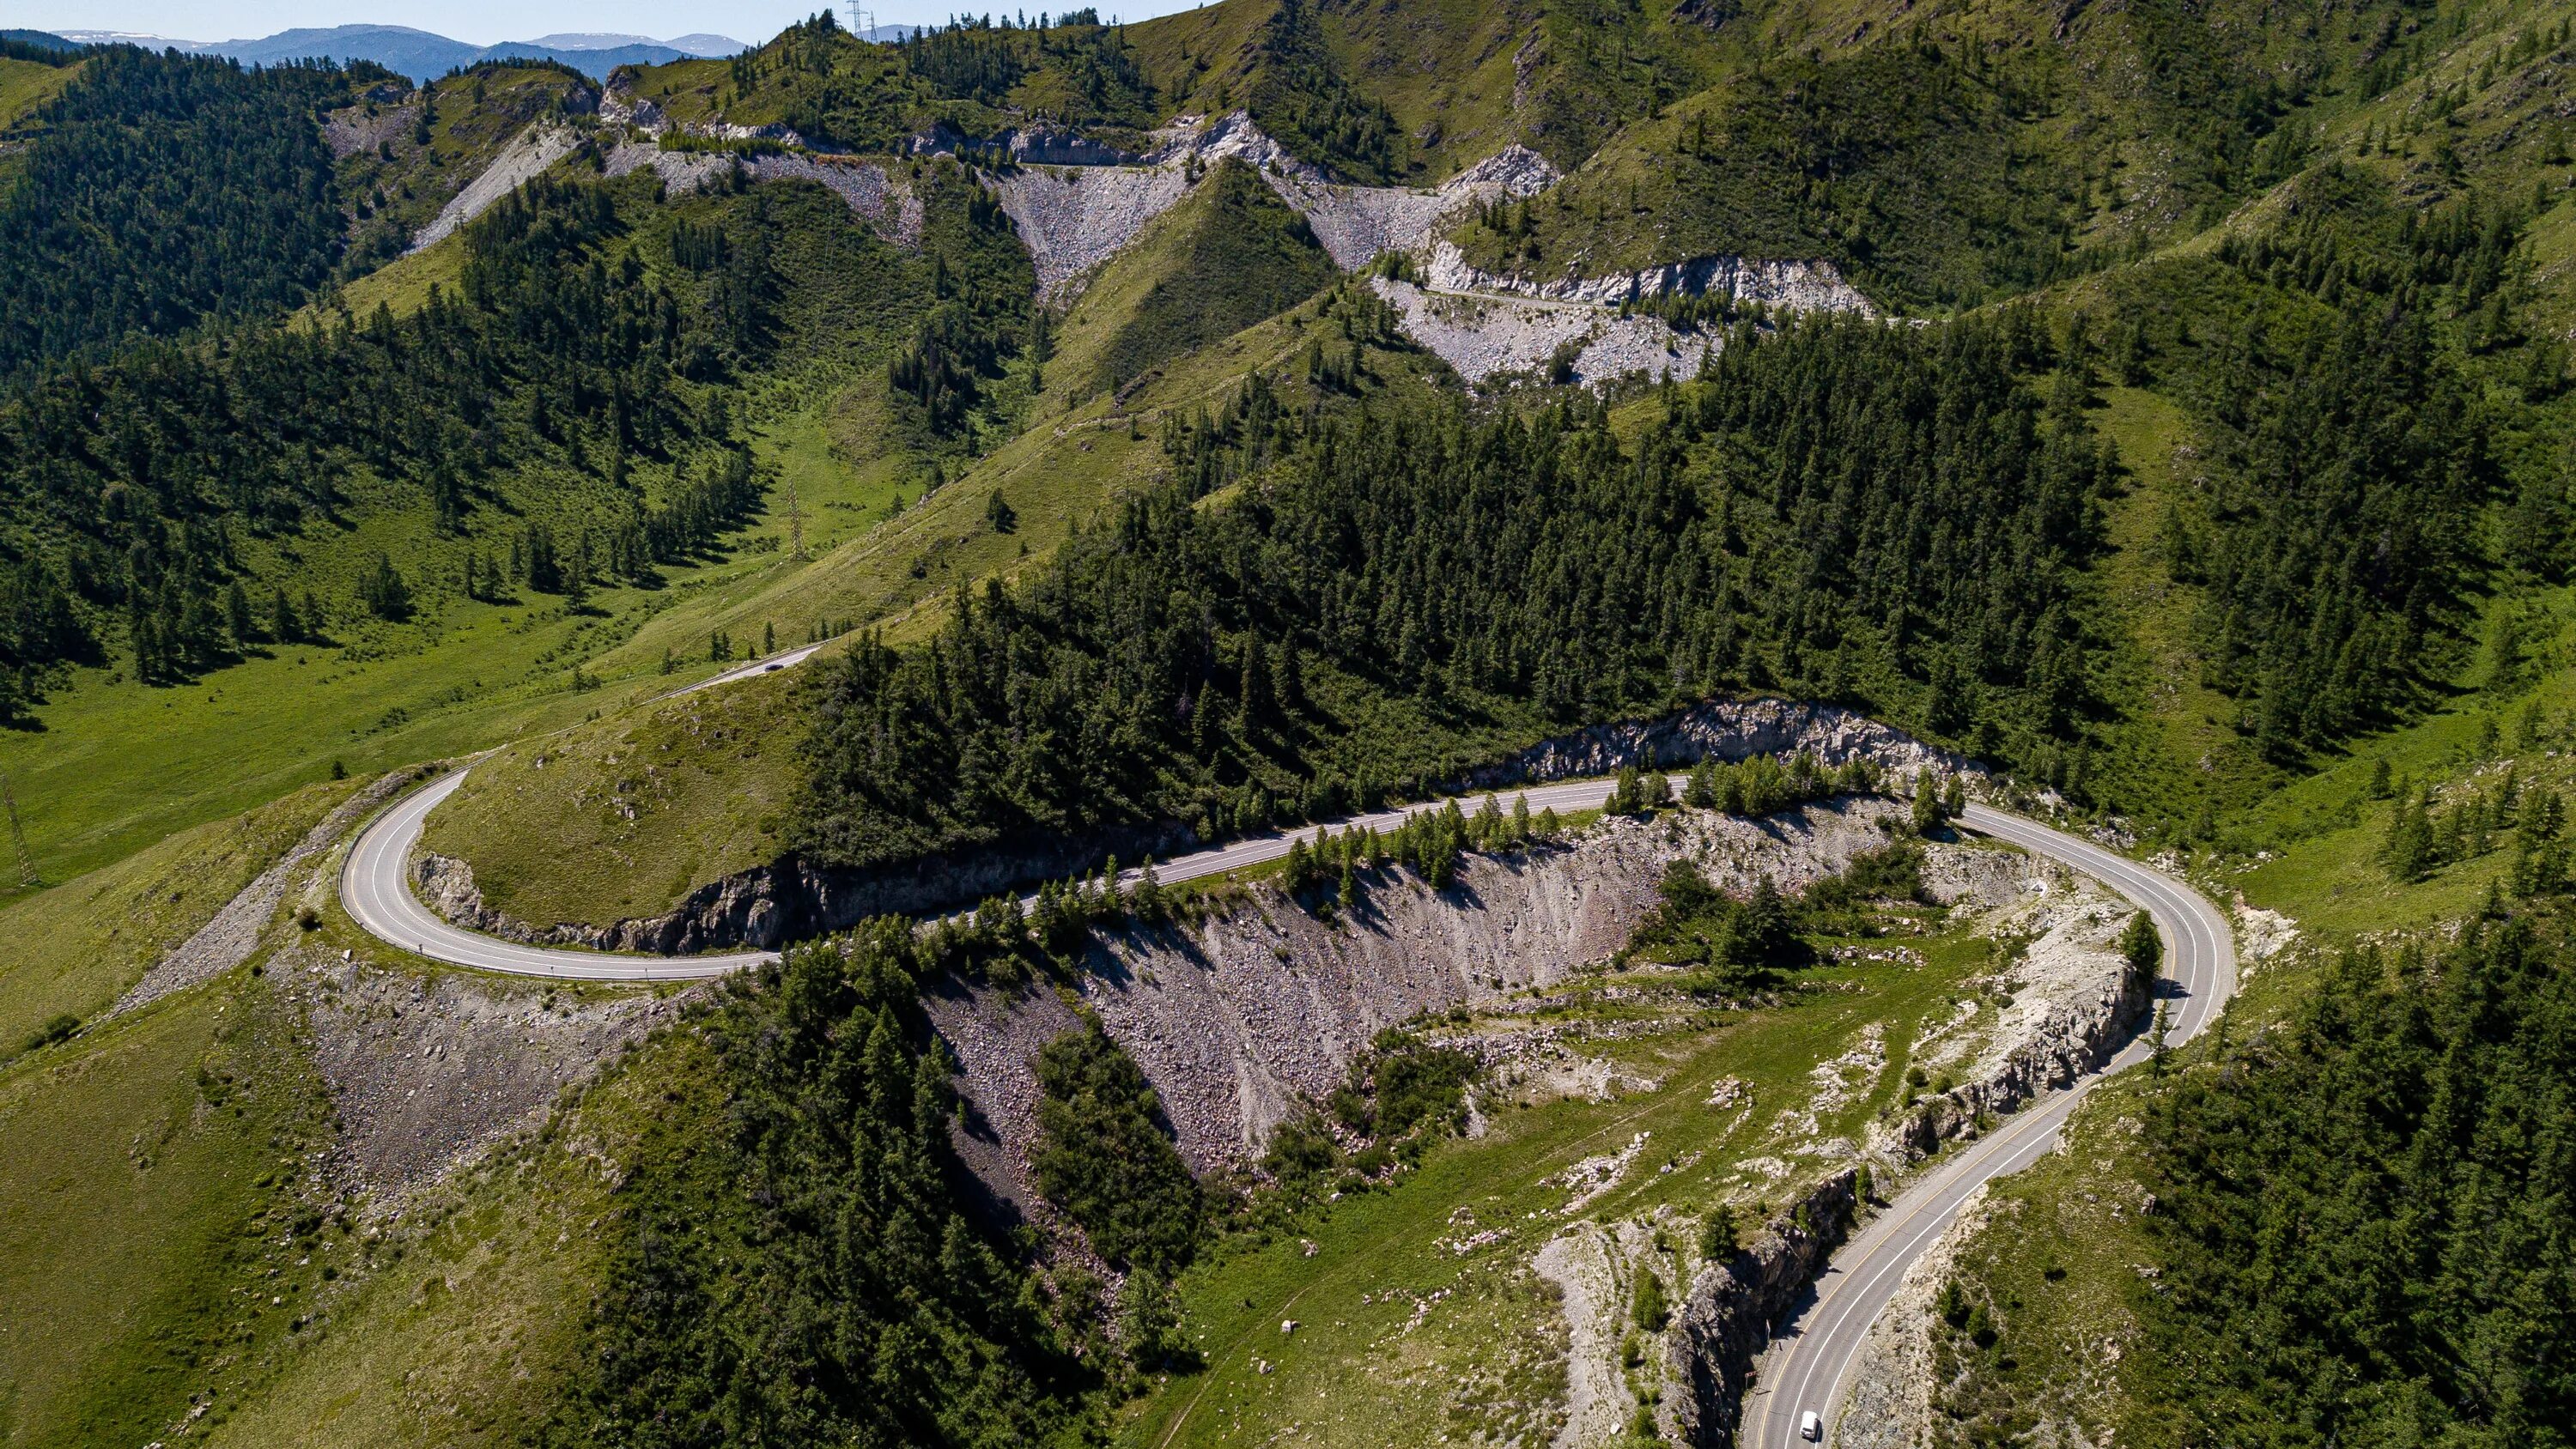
point(1131, 439)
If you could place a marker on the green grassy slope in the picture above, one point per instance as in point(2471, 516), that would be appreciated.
point(120, 764)
point(430, 142)
point(27, 84)
point(555, 843)
point(1229, 255)
point(148, 1177)
point(74, 948)
point(467, 1335)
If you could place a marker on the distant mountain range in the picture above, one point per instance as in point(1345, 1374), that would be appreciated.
point(422, 55)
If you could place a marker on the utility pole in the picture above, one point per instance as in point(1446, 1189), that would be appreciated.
point(18, 835)
point(795, 524)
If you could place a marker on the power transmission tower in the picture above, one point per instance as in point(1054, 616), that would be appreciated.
point(795, 524)
point(18, 835)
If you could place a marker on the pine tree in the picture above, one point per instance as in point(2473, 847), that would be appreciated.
point(237, 615)
point(1624, 793)
point(2142, 947)
point(382, 590)
point(1299, 870)
point(1928, 814)
point(1701, 792)
point(2409, 847)
point(1254, 699)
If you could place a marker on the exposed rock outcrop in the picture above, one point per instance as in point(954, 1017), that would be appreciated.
point(682, 172)
point(1726, 1318)
point(1893, 1376)
point(1485, 338)
point(1725, 729)
point(1488, 326)
point(1042, 143)
point(536, 148)
point(2072, 1001)
point(352, 129)
point(888, 205)
point(427, 1070)
point(1241, 1018)
point(1074, 219)
point(1076, 207)
point(1785, 286)
point(1359, 224)
point(789, 898)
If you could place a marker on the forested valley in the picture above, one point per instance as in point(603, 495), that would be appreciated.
point(2164, 407)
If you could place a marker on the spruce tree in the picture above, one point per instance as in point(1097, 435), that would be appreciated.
point(2409, 847)
point(1701, 792)
point(237, 615)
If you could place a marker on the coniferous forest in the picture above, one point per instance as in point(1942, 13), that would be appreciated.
point(1187, 429)
point(168, 192)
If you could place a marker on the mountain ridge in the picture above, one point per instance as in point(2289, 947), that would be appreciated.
point(424, 55)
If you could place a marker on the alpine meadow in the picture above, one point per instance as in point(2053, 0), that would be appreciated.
point(1574, 723)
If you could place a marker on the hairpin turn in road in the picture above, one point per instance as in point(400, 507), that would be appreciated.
point(1814, 1352)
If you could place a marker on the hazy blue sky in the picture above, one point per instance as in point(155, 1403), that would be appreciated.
point(486, 22)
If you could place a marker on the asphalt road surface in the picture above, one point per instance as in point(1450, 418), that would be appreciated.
point(1812, 1352)
point(375, 887)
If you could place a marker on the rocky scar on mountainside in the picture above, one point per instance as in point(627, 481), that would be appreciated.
point(789, 899)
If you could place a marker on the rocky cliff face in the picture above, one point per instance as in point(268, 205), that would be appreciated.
point(2072, 1003)
point(1784, 286)
point(1077, 204)
point(1727, 1317)
point(538, 147)
point(1489, 326)
point(2071, 1000)
point(1726, 729)
point(1488, 339)
point(1893, 1377)
point(789, 899)
point(1241, 1018)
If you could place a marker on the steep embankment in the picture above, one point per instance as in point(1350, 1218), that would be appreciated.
point(416, 163)
point(295, 1160)
point(1556, 1276)
point(637, 773)
point(1243, 1019)
point(1226, 258)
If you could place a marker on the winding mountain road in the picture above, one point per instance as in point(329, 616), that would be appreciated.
point(375, 887)
point(1812, 1352)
